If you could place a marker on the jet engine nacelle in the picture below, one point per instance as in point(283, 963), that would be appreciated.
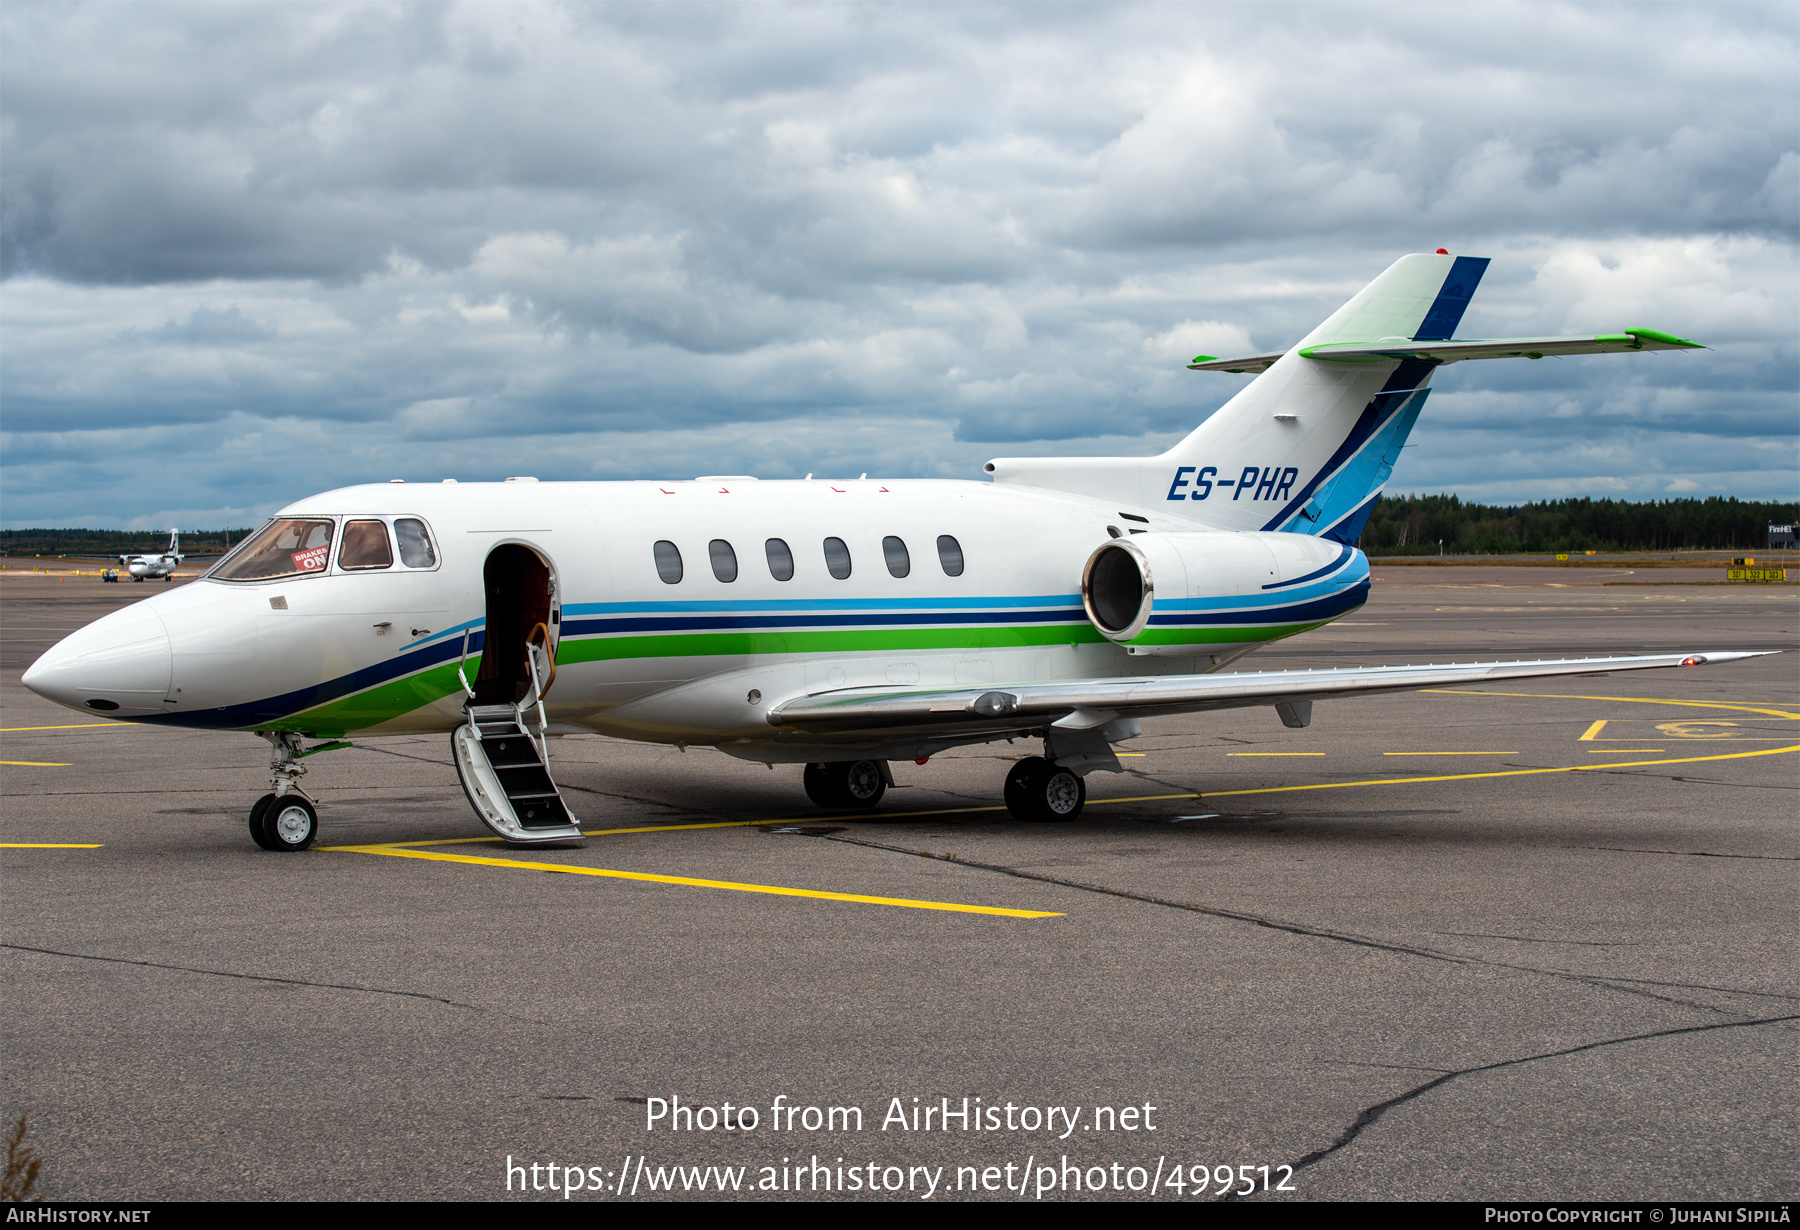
point(1192, 593)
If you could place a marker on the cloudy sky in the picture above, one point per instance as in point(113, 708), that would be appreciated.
point(253, 251)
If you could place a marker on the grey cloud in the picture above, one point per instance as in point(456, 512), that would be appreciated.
point(388, 229)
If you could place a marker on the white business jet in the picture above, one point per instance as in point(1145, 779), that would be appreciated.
point(163, 565)
point(838, 625)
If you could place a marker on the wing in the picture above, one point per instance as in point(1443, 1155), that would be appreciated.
point(1084, 704)
point(1455, 351)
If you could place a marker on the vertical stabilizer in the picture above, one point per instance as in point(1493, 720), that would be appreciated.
point(1307, 445)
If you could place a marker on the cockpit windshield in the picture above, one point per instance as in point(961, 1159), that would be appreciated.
point(288, 546)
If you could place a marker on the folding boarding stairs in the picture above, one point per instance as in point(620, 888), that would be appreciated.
point(504, 767)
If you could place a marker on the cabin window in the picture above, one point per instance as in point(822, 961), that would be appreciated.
point(416, 550)
point(668, 562)
point(781, 560)
point(837, 558)
point(899, 563)
point(724, 559)
point(950, 555)
point(291, 546)
point(365, 545)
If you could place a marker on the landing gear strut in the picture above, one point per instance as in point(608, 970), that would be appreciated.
point(846, 783)
point(1043, 791)
point(286, 820)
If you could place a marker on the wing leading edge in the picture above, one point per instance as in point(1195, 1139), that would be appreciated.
point(1085, 704)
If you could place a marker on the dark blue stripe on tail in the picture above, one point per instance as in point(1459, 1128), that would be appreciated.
point(1453, 300)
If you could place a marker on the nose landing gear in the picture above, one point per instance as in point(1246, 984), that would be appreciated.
point(285, 820)
point(287, 823)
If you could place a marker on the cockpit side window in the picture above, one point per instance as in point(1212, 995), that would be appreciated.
point(416, 550)
point(288, 546)
point(365, 546)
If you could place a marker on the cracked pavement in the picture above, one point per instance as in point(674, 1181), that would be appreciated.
point(1444, 959)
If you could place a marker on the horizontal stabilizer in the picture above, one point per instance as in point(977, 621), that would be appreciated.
point(1249, 363)
point(1036, 704)
point(1456, 350)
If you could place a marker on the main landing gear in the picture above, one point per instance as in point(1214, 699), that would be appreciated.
point(1041, 790)
point(846, 783)
point(1037, 789)
point(285, 820)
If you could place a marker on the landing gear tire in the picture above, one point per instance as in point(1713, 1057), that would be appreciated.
point(256, 822)
point(845, 783)
point(1044, 793)
point(288, 824)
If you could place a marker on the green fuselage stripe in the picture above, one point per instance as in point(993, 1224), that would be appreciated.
point(388, 701)
point(854, 640)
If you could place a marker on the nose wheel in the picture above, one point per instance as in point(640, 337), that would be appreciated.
point(1042, 791)
point(286, 824)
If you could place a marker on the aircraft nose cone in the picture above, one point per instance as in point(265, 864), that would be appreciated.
point(117, 666)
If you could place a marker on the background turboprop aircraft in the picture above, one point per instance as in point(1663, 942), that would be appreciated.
point(141, 566)
point(838, 625)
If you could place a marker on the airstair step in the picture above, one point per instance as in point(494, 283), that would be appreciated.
point(511, 753)
point(508, 774)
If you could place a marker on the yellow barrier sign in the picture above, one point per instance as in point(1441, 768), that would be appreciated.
point(1756, 574)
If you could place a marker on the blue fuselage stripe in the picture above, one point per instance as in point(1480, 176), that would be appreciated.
point(1347, 599)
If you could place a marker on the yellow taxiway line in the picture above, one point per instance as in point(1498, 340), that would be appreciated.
point(734, 886)
point(1629, 700)
point(38, 764)
point(77, 726)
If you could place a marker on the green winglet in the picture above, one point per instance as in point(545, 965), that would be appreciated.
point(1667, 339)
point(1204, 358)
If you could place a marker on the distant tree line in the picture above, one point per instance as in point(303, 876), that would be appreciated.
point(114, 542)
point(1400, 525)
point(1413, 525)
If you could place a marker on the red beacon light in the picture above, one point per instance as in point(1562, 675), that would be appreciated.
point(1442, 252)
point(1693, 659)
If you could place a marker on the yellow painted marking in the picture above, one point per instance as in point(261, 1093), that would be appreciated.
point(1463, 777)
point(48, 845)
point(1131, 753)
point(1593, 732)
point(1449, 753)
point(654, 828)
point(772, 889)
point(37, 764)
point(1274, 753)
point(1628, 700)
point(77, 726)
point(1697, 730)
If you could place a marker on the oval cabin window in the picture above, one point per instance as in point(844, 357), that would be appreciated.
point(893, 551)
point(837, 558)
point(950, 555)
point(781, 560)
point(724, 559)
point(668, 562)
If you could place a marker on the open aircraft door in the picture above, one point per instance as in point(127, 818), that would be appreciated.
point(501, 753)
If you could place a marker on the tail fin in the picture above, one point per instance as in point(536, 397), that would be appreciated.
point(1308, 445)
